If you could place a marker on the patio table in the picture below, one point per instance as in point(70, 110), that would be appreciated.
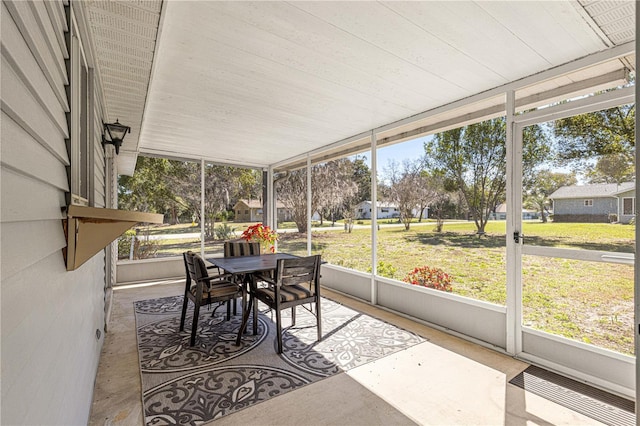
point(248, 267)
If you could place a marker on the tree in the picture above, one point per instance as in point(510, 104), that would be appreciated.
point(291, 189)
point(249, 185)
point(184, 179)
point(334, 189)
point(612, 168)
point(222, 184)
point(601, 144)
point(440, 199)
point(173, 187)
point(405, 188)
point(147, 190)
point(543, 184)
point(472, 160)
point(585, 136)
point(362, 178)
point(332, 183)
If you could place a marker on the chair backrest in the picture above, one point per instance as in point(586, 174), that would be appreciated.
point(185, 257)
point(241, 248)
point(196, 270)
point(298, 271)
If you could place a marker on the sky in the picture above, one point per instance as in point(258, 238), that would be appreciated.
point(405, 150)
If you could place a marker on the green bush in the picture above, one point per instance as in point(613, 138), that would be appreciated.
point(143, 247)
point(225, 216)
point(225, 232)
point(385, 269)
point(124, 244)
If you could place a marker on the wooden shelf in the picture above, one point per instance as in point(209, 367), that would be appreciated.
point(89, 230)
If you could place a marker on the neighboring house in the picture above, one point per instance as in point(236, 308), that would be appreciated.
point(251, 211)
point(594, 203)
point(385, 211)
point(248, 211)
point(501, 213)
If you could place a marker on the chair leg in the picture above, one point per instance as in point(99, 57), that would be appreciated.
point(229, 309)
point(318, 319)
point(293, 316)
point(235, 306)
point(255, 315)
point(279, 330)
point(185, 304)
point(194, 327)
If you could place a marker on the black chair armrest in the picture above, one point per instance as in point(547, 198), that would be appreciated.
point(215, 278)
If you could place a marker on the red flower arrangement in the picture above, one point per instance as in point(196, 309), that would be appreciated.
point(266, 236)
point(427, 276)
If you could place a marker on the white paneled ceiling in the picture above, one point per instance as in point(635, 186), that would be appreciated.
point(256, 83)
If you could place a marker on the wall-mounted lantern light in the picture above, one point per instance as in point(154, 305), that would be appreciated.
point(116, 132)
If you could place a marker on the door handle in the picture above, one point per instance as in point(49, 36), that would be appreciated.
point(518, 237)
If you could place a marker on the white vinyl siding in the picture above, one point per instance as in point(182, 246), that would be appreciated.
point(49, 316)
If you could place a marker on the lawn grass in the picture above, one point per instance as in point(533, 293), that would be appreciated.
point(590, 302)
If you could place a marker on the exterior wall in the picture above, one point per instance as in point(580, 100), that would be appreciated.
point(363, 211)
point(284, 215)
point(450, 312)
point(601, 367)
point(574, 210)
point(243, 213)
point(50, 317)
point(581, 218)
point(255, 215)
point(130, 271)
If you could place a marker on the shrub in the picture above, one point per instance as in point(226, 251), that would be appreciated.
point(143, 246)
point(427, 276)
point(124, 244)
point(385, 269)
point(225, 232)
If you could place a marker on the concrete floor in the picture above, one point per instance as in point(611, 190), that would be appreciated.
point(444, 381)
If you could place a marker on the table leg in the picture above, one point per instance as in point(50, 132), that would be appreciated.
point(251, 282)
point(254, 287)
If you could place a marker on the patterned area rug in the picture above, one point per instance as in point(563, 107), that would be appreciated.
point(192, 385)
